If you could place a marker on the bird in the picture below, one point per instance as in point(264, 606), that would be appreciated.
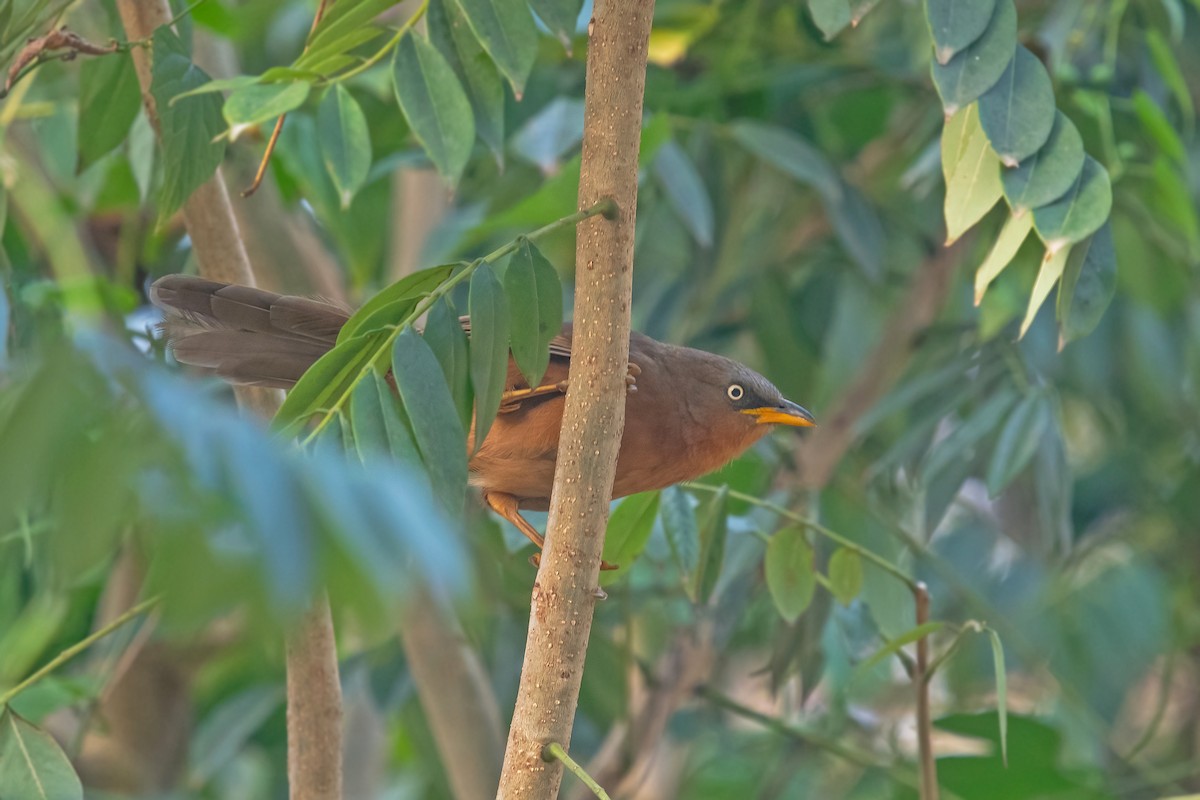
point(687, 411)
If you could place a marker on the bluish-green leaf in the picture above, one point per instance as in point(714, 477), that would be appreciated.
point(489, 347)
point(560, 16)
point(791, 576)
point(980, 423)
point(32, 765)
point(1080, 212)
point(1088, 284)
point(225, 730)
point(379, 310)
point(1047, 174)
point(343, 18)
point(845, 575)
point(977, 68)
point(711, 521)
point(1018, 113)
point(789, 153)
point(507, 32)
point(445, 336)
point(1001, 692)
point(378, 423)
point(1018, 441)
point(186, 128)
point(955, 24)
point(685, 191)
point(435, 104)
point(109, 100)
point(345, 142)
point(629, 529)
point(892, 646)
point(454, 39)
point(831, 16)
point(683, 535)
point(534, 295)
point(427, 401)
point(1159, 128)
point(264, 101)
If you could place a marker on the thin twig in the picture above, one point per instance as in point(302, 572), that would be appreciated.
point(554, 750)
point(929, 784)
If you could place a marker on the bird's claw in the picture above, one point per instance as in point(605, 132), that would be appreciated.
point(631, 376)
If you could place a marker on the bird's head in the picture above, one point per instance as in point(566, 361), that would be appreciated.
point(751, 394)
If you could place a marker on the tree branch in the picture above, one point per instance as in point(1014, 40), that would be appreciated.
point(565, 593)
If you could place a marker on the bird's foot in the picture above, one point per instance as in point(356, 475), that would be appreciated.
point(631, 376)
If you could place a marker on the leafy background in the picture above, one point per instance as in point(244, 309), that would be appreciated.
point(799, 180)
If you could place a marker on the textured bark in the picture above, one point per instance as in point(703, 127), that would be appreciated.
point(314, 692)
point(565, 590)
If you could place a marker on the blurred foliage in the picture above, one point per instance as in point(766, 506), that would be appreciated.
point(792, 191)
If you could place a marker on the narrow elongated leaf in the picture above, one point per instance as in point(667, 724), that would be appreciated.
point(712, 528)
point(1018, 113)
point(225, 730)
point(972, 172)
point(1088, 284)
point(1051, 270)
point(326, 380)
point(982, 421)
point(331, 55)
point(560, 16)
point(373, 313)
point(791, 576)
point(345, 142)
point(507, 32)
point(1001, 692)
point(445, 336)
point(892, 646)
point(679, 525)
point(974, 70)
point(489, 347)
point(629, 529)
point(685, 191)
point(789, 153)
point(535, 309)
point(1019, 440)
point(439, 434)
point(435, 104)
point(186, 128)
point(845, 575)
point(1047, 174)
point(264, 101)
point(345, 17)
point(109, 100)
point(954, 24)
point(454, 39)
point(32, 765)
point(1080, 212)
point(831, 16)
point(1012, 235)
point(378, 423)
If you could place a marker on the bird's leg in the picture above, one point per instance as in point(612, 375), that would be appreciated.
point(506, 506)
point(517, 395)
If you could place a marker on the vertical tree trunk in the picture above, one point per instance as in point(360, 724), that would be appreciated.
point(565, 590)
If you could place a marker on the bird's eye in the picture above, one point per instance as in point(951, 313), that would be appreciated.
point(735, 392)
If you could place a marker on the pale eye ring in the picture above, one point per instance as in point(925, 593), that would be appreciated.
point(735, 391)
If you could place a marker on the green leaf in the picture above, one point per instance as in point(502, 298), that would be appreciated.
point(892, 646)
point(382, 308)
point(378, 424)
point(345, 142)
point(831, 16)
point(32, 765)
point(845, 575)
point(489, 347)
point(344, 18)
point(791, 576)
point(560, 16)
point(1159, 128)
point(507, 32)
point(972, 172)
point(439, 434)
point(712, 530)
point(789, 153)
point(1018, 113)
point(1080, 212)
point(535, 309)
point(955, 24)
point(1048, 275)
point(186, 128)
point(226, 729)
point(1001, 692)
point(685, 191)
point(264, 101)
point(1088, 284)
point(1164, 61)
point(1012, 235)
point(974, 428)
point(629, 529)
point(221, 85)
point(446, 337)
point(962, 79)
point(679, 525)
point(453, 38)
point(1050, 172)
point(326, 380)
point(109, 100)
point(435, 105)
point(1019, 440)
point(332, 55)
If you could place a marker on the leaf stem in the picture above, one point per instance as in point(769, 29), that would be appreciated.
point(77, 648)
point(554, 750)
point(833, 536)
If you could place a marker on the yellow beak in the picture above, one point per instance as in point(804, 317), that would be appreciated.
point(787, 414)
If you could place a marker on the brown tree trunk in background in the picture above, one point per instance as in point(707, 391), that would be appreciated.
point(314, 693)
point(565, 590)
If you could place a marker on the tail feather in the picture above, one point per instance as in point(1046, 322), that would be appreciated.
point(246, 336)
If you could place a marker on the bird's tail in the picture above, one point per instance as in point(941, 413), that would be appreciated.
point(246, 336)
